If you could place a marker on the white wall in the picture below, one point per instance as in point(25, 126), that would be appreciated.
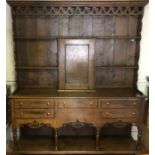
point(10, 63)
point(144, 53)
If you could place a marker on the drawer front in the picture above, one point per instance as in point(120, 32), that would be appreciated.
point(77, 103)
point(34, 113)
point(28, 104)
point(119, 104)
point(119, 113)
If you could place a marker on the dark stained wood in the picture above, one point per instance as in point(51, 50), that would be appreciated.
point(121, 25)
point(75, 26)
point(98, 26)
point(104, 50)
point(54, 26)
point(31, 25)
point(120, 48)
point(63, 26)
point(87, 26)
point(43, 26)
point(38, 79)
point(109, 26)
point(84, 144)
point(133, 21)
point(107, 51)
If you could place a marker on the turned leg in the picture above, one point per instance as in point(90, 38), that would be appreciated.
point(139, 142)
point(56, 139)
point(15, 137)
point(97, 138)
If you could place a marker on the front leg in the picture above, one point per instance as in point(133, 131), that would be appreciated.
point(56, 139)
point(15, 137)
point(97, 138)
point(139, 142)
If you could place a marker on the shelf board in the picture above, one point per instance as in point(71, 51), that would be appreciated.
point(73, 37)
point(125, 67)
point(36, 68)
point(76, 145)
point(110, 143)
point(55, 67)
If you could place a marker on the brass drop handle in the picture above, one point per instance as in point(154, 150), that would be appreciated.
point(91, 103)
point(134, 103)
point(133, 113)
point(48, 103)
point(107, 114)
point(64, 103)
point(21, 114)
point(107, 103)
point(21, 103)
point(48, 114)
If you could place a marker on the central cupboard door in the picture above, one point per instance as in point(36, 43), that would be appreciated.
point(76, 64)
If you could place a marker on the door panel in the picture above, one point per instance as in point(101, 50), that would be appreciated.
point(76, 64)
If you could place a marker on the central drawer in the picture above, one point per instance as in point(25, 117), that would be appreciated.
point(77, 103)
point(34, 103)
point(34, 113)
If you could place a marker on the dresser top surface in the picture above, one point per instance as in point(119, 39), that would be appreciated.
point(78, 0)
point(106, 92)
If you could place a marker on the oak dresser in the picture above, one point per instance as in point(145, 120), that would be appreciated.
point(76, 64)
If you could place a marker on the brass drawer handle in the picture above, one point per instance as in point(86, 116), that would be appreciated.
point(133, 113)
point(48, 114)
point(107, 113)
point(64, 103)
point(134, 103)
point(91, 103)
point(107, 103)
point(48, 103)
point(21, 114)
point(21, 103)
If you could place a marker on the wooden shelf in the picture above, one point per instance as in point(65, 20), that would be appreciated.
point(55, 67)
point(125, 67)
point(36, 68)
point(77, 145)
point(36, 143)
point(73, 37)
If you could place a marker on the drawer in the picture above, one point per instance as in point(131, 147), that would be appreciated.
point(39, 103)
point(77, 103)
point(119, 103)
point(119, 113)
point(34, 113)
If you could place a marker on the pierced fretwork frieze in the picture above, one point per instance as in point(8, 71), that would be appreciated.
point(77, 10)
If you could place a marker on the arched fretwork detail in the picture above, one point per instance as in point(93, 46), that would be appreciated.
point(77, 10)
